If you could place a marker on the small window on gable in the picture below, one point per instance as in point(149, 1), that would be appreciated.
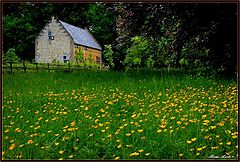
point(50, 35)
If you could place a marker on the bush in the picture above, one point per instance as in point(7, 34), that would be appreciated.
point(10, 56)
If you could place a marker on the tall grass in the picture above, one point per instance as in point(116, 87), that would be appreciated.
point(118, 115)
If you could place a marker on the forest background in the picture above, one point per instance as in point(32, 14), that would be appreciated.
point(135, 35)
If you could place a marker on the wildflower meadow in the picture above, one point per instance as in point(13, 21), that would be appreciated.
point(118, 115)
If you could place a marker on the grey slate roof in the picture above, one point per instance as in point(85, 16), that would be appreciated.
point(81, 36)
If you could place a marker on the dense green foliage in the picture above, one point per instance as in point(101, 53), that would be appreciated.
point(117, 115)
point(176, 35)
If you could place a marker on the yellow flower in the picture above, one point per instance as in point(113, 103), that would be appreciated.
point(191, 121)
point(100, 124)
point(134, 115)
point(234, 136)
point(179, 122)
point(212, 127)
point(12, 147)
point(189, 142)
point(180, 155)
point(116, 158)
point(199, 149)
point(229, 143)
point(134, 154)
point(204, 116)
point(61, 152)
point(70, 156)
point(30, 142)
point(110, 103)
point(163, 126)
point(56, 134)
point(140, 150)
point(193, 139)
point(128, 134)
point(60, 159)
point(73, 123)
point(132, 131)
point(140, 130)
point(17, 130)
point(147, 154)
point(159, 131)
point(206, 121)
point(119, 146)
point(6, 131)
point(56, 143)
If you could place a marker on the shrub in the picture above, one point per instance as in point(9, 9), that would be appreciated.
point(10, 56)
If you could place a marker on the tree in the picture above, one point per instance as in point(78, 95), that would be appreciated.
point(108, 55)
point(101, 22)
point(180, 24)
point(137, 52)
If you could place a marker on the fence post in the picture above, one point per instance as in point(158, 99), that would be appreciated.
point(48, 67)
point(24, 67)
point(11, 66)
point(36, 66)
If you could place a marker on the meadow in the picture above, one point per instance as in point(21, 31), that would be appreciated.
point(118, 115)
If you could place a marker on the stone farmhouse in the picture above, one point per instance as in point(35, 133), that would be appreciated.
point(60, 41)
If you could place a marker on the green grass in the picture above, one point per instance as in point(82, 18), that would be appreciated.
point(108, 115)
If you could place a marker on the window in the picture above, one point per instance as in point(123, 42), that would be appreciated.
point(50, 35)
point(65, 58)
point(85, 48)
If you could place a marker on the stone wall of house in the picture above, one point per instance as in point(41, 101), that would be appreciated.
point(48, 50)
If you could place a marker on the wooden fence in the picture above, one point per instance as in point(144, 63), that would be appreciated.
point(9, 67)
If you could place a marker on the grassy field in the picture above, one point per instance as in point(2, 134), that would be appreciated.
point(117, 115)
